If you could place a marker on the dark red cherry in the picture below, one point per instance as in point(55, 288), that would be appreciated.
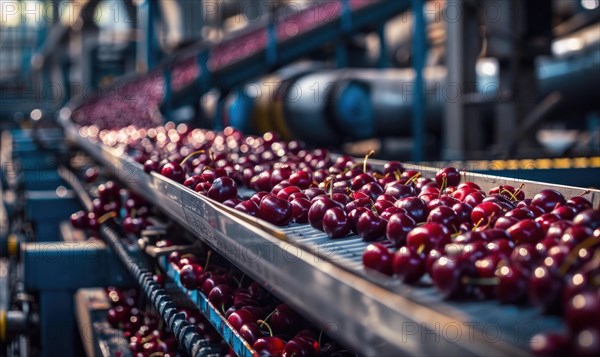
point(414, 207)
point(370, 226)
point(409, 265)
point(335, 222)
point(173, 171)
point(275, 210)
point(398, 226)
point(448, 176)
point(548, 199)
point(379, 258)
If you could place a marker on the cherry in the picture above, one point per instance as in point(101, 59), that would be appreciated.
point(241, 317)
point(414, 207)
point(564, 212)
point(445, 216)
point(353, 217)
point(474, 198)
point(317, 210)
point(388, 212)
point(361, 180)
point(222, 189)
point(545, 288)
point(463, 212)
point(370, 226)
point(286, 192)
point(251, 332)
point(450, 277)
point(301, 178)
point(557, 229)
point(382, 205)
point(248, 207)
point(546, 220)
point(211, 282)
point(79, 220)
point(589, 218)
point(379, 258)
point(221, 296)
point(335, 222)
point(398, 226)
point(275, 210)
point(302, 346)
point(313, 192)
point(575, 235)
point(508, 191)
point(393, 168)
point(371, 189)
point(549, 344)
point(257, 197)
point(188, 274)
point(150, 166)
point(173, 171)
point(520, 213)
point(300, 209)
point(448, 176)
point(284, 319)
point(548, 199)
point(269, 346)
point(526, 231)
point(587, 343)
point(505, 222)
point(427, 236)
point(399, 190)
point(486, 269)
point(579, 203)
point(359, 202)
point(512, 284)
point(525, 257)
point(409, 265)
point(583, 311)
point(486, 213)
point(192, 181)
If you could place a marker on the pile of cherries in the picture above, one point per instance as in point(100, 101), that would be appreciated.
point(543, 251)
point(145, 331)
point(110, 201)
point(270, 327)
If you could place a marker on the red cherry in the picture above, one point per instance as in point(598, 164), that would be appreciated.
point(335, 222)
point(370, 226)
point(409, 265)
point(275, 210)
point(398, 227)
point(379, 258)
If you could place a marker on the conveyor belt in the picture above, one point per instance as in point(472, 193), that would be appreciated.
point(325, 279)
point(242, 56)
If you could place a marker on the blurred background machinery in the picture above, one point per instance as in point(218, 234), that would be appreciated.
point(454, 80)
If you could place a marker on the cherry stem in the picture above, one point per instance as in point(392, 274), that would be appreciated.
point(519, 189)
point(480, 281)
point(329, 185)
point(366, 159)
point(421, 249)
point(147, 338)
point(320, 335)
point(586, 192)
point(444, 183)
point(477, 224)
point(572, 257)
point(513, 196)
point(156, 354)
point(208, 255)
point(413, 178)
point(105, 217)
point(223, 308)
point(190, 155)
point(264, 323)
point(397, 175)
